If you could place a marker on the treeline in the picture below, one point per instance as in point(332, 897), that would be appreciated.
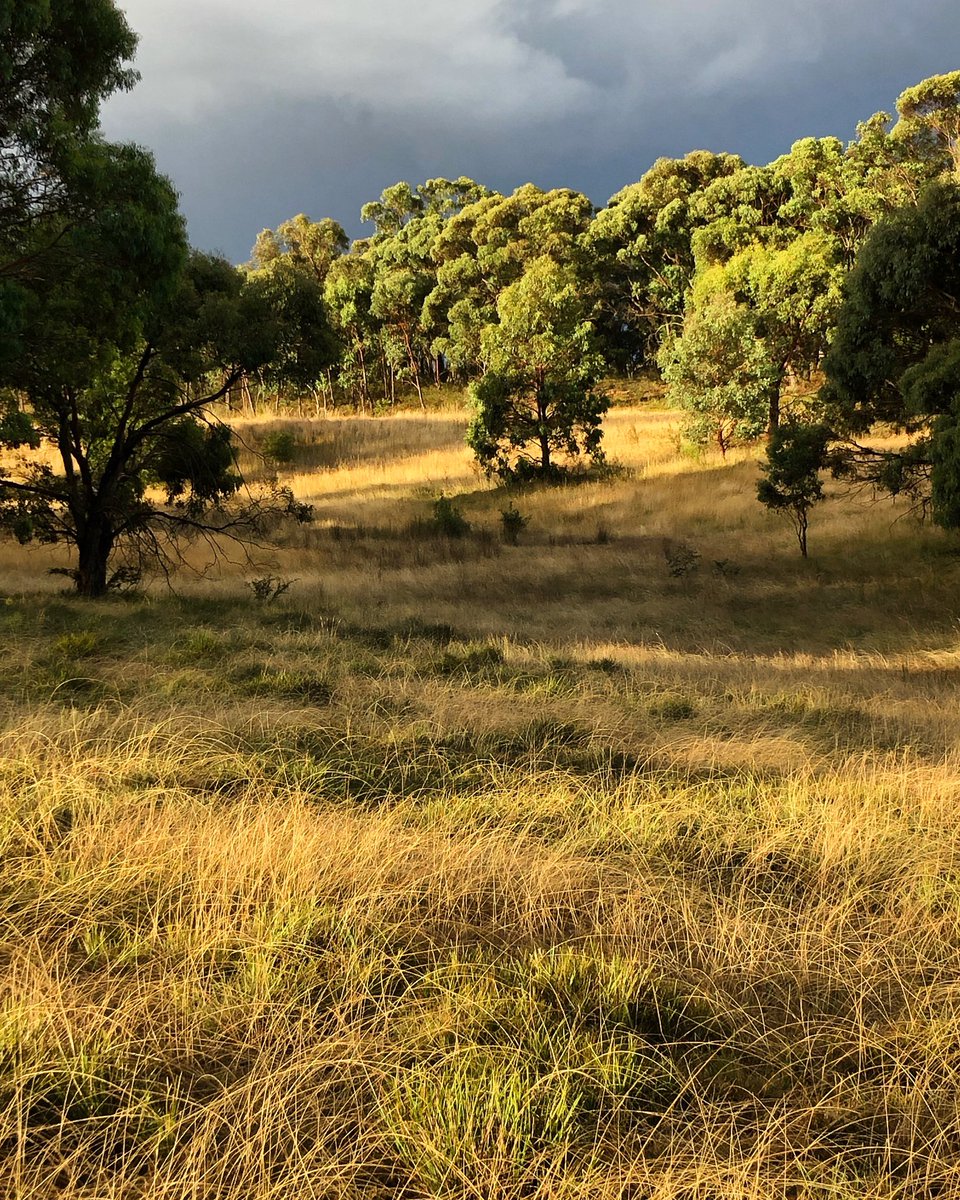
point(738, 284)
point(705, 258)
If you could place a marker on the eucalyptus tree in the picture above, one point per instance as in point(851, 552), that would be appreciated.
point(929, 121)
point(58, 62)
point(720, 373)
point(307, 245)
point(764, 316)
point(408, 221)
point(291, 264)
point(537, 408)
point(484, 249)
point(348, 295)
point(125, 347)
point(895, 357)
point(642, 255)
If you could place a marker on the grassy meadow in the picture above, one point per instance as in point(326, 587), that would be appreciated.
point(581, 868)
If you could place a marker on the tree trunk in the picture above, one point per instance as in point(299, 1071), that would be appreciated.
point(94, 546)
point(364, 386)
point(542, 416)
point(248, 396)
point(383, 374)
point(414, 366)
point(773, 423)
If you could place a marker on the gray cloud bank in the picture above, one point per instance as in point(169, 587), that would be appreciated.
point(259, 111)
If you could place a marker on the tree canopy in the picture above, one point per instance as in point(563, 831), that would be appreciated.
point(57, 63)
point(895, 357)
point(536, 401)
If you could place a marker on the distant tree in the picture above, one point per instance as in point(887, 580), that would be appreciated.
point(291, 264)
point(641, 253)
point(930, 120)
point(536, 406)
point(721, 373)
point(403, 276)
point(397, 205)
point(348, 295)
point(302, 342)
point(766, 315)
point(301, 243)
point(483, 250)
point(792, 483)
point(736, 211)
point(794, 296)
point(752, 322)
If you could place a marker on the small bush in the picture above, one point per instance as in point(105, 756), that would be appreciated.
point(76, 645)
point(682, 560)
point(280, 447)
point(268, 588)
point(512, 524)
point(448, 519)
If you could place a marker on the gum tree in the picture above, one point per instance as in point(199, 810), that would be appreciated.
point(895, 358)
point(536, 406)
point(107, 402)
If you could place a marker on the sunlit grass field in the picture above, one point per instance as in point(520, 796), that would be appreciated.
point(471, 870)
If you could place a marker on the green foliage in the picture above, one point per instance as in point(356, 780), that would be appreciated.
point(57, 63)
point(310, 246)
point(895, 357)
point(512, 524)
point(448, 518)
point(930, 120)
point(193, 461)
point(641, 250)
point(279, 446)
point(720, 373)
point(294, 340)
point(537, 398)
point(899, 305)
point(127, 344)
point(792, 485)
point(484, 249)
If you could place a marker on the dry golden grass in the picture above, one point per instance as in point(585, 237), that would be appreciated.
point(478, 871)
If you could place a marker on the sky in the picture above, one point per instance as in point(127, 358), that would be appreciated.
point(261, 110)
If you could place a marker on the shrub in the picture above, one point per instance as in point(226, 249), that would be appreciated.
point(76, 645)
point(269, 587)
point(279, 446)
point(512, 524)
point(791, 484)
point(681, 559)
point(448, 519)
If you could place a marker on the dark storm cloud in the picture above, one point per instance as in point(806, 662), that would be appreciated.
point(261, 111)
